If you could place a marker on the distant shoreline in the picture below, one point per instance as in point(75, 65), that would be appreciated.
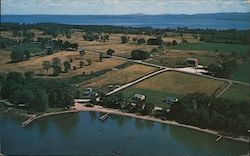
point(219, 21)
point(81, 108)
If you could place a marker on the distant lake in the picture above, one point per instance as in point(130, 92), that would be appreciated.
point(83, 133)
point(214, 21)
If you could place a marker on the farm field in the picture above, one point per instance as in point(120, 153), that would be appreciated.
point(173, 84)
point(242, 73)
point(32, 48)
point(35, 63)
point(226, 48)
point(119, 77)
point(237, 92)
point(171, 58)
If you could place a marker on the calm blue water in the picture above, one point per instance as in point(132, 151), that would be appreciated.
point(215, 21)
point(83, 133)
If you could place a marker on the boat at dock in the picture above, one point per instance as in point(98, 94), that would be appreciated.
point(104, 117)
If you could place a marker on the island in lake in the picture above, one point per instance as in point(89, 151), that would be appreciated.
point(146, 85)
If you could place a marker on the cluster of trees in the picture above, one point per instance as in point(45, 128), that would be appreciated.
point(207, 35)
point(6, 42)
point(36, 94)
point(19, 55)
point(155, 41)
point(141, 41)
point(226, 36)
point(124, 39)
point(201, 110)
point(57, 44)
point(90, 36)
point(223, 70)
point(117, 101)
point(56, 64)
point(110, 52)
point(140, 54)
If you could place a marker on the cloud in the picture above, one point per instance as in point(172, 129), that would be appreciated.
point(122, 6)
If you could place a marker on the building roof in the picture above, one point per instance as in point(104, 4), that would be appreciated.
point(139, 96)
point(171, 99)
point(192, 59)
point(157, 109)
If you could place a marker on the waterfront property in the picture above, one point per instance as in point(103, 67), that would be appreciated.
point(80, 134)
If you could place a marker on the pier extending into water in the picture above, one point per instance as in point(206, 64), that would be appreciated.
point(104, 117)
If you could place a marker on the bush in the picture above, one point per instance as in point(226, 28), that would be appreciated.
point(155, 41)
point(140, 55)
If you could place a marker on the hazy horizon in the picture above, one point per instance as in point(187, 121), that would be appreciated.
point(119, 7)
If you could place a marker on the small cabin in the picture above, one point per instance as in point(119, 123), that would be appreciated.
point(139, 97)
point(170, 100)
point(192, 61)
point(157, 109)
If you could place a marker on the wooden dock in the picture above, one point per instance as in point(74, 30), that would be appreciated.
point(218, 139)
point(104, 117)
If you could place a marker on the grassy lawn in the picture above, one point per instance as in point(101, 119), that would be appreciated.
point(172, 84)
point(227, 48)
point(155, 97)
point(242, 73)
point(120, 76)
point(237, 92)
point(32, 48)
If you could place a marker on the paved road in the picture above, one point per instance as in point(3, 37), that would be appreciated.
point(136, 81)
point(172, 69)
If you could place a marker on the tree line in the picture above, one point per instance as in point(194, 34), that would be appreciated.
point(36, 94)
point(206, 35)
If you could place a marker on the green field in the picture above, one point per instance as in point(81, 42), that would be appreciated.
point(172, 84)
point(226, 48)
point(242, 73)
point(152, 96)
point(32, 48)
point(237, 92)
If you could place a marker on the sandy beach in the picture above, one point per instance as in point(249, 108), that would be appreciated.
point(80, 108)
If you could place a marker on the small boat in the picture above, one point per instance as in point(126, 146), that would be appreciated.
point(104, 117)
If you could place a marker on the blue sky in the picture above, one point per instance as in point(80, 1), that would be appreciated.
point(118, 7)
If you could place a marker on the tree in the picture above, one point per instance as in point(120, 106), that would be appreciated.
point(141, 41)
point(17, 56)
point(67, 66)
point(40, 102)
point(27, 54)
point(124, 39)
point(46, 66)
point(155, 41)
point(134, 39)
point(29, 75)
point(68, 35)
point(56, 65)
point(110, 52)
point(174, 43)
point(89, 61)
point(50, 51)
point(81, 64)
point(101, 57)
point(82, 52)
point(140, 55)
point(74, 46)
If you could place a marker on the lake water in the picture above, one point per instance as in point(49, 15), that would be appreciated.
point(83, 133)
point(213, 21)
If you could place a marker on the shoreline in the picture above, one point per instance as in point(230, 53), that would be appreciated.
point(81, 108)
